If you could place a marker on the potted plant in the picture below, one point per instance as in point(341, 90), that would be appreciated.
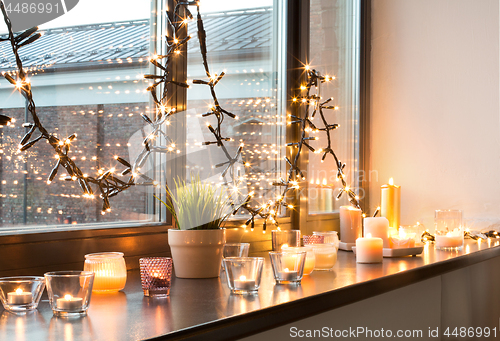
point(199, 209)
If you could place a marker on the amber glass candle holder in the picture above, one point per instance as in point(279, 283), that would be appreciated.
point(310, 258)
point(156, 276)
point(69, 292)
point(20, 295)
point(109, 269)
point(243, 274)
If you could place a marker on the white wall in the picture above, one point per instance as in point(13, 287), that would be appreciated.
point(435, 121)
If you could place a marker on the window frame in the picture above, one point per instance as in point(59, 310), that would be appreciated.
point(27, 252)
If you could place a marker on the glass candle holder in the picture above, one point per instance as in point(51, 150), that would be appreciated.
point(325, 256)
point(449, 231)
point(243, 274)
point(330, 237)
point(414, 231)
point(21, 294)
point(156, 276)
point(310, 258)
point(284, 238)
point(313, 239)
point(235, 250)
point(69, 292)
point(109, 269)
point(286, 268)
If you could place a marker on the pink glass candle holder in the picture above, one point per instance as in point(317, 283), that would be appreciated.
point(285, 238)
point(21, 294)
point(314, 239)
point(156, 276)
point(69, 292)
point(288, 268)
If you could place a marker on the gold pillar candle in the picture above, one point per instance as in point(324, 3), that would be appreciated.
point(390, 200)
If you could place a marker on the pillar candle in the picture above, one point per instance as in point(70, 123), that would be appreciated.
point(377, 227)
point(326, 197)
point(369, 250)
point(350, 224)
point(390, 204)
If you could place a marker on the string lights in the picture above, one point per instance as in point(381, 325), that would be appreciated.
point(107, 182)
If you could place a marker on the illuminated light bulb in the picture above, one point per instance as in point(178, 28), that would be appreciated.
point(56, 156)
point(304, 100)
point(302, 87)
point(85, 175)
point(61, 143)
point(290, 206)
point(364, 215)
point(247, 164)
point(73, 178)
point(335, 108)
point(294, 99)
point(356, 197)
point(347, 189)
point(108, 210)
point(177, 52)
point(116, 157)
point(112, 170)
point(306, 67)
point(48, 182)
point(176, 41)
point(100, 171)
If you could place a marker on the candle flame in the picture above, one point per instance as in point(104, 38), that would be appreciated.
point(391, 181)
point(286, 270)
point(19, 291)
point(284, 246)
point(368, 235)
point(68, 297)
point(243, 278)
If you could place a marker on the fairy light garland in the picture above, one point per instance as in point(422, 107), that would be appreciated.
point(109, 185)
point(492, 234)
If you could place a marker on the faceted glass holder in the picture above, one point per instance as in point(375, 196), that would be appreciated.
point(21, 294)
point(449, 230)
point(109, 269)
point(156, 276)
point(243, 274)
point(285, 238)
point(314, 239)
point(288, 268)
point(236, 250)
point(69, 292)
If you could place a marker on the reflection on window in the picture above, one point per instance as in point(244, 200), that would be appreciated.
point(334, 51)
point(86, 79)
point(242, 43)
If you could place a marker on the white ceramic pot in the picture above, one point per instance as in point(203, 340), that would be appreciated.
point(196, 253)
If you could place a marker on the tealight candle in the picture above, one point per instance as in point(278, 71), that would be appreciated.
point(369, 250)
point(19, 297)
point(401, 240)
point(287, 275)
point(451, 239)
point(69, 303)
point(377, 227)
point(244, 284)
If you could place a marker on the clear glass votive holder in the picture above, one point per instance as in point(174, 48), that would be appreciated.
point(310, 258)
point(69, 292)
point(325, 256)
point(413, 231)
point(243, 274)
point(156, 276)
point(21, 294)
point(330, 237)
point(312, 239)
point(288, 270)
point(449, 230)
point(235, 250)
point(109, 269)
point(285, 238)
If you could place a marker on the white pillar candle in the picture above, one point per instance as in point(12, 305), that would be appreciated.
point(19, 297)
point(390, 202)
point(69, 302)
point(369, 250)
point(377, 227)
point(244, 284)
point(350, 224)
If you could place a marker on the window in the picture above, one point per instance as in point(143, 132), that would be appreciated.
point(88, 80)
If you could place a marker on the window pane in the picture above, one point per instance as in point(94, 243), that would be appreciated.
point(86, 72)
point(334, 51)
point(244, 41)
